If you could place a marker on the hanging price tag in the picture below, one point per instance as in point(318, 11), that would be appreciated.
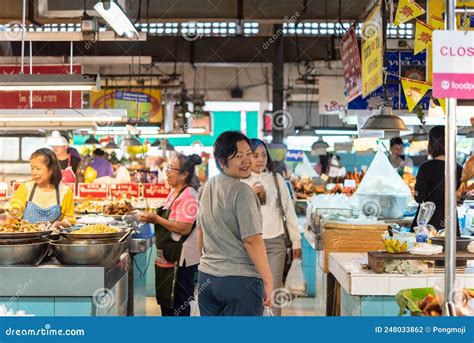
point(127, 190)
point(93, 190)
point(3, 189)
point(155, 190)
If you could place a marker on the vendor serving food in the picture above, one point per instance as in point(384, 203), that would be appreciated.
point(44, 198)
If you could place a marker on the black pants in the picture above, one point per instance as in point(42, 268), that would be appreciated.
point(183, 293)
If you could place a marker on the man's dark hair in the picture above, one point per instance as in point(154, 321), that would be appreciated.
point(99, 152)
point(396, 141)
point(436, 141)
point(225, 146)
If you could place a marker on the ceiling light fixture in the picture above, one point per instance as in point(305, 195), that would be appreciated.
point(91, 140)
point(306, 130)
point(50, 82)
point(167, 135)
point(418, 135)
point(116, 18)
point(111, 145)
point(385, 121)
point(196, 130)
point(94, 117)
point(320, 144)
point(129, 140)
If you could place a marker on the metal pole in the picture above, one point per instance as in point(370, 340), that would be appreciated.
point(70, 70)
point(278, 86)
point(23, 32)
point(450, 183)
point(31, 72)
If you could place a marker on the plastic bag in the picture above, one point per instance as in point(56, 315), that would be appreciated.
point(194, 308)
point(382, 179)
point(295, 281)
point(267, 312)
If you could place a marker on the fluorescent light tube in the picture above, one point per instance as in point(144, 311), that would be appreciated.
point(330, 132)
point(63, 115)
point(167, 135)
point(117, 19)
point(49, 82)
point(196, 130)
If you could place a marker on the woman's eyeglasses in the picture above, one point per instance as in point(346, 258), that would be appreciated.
point(168, 169)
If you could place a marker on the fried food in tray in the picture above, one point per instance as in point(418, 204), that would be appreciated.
point(118, 208)
point(89, 207)
point(95, 229)
point(20, 226)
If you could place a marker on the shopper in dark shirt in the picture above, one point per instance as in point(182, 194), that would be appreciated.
point(430, 178)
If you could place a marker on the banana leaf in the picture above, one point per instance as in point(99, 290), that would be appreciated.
point(409, 299)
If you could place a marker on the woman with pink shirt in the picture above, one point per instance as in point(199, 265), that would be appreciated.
point(176, 239)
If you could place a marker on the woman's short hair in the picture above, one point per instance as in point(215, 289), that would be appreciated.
point(436, 142)
point(254, 144)
point(225, 146)
point(51, 162)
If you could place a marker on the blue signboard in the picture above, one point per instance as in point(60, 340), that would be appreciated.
point(399, 64)
point(294, 156)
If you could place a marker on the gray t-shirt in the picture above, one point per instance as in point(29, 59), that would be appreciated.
point(229, 212)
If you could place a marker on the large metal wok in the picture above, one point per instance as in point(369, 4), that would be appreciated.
point(82, 252)
point(25, 235)
point(26, 252)
point(69, 235)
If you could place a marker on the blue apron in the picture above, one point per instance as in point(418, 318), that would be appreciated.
point(36, 214)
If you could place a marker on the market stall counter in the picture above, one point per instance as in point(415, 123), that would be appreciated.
point(328, 237)
point(83, 274)
point(51, 289)
point(365, 293)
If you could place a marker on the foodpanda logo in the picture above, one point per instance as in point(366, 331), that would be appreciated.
point(445, 84)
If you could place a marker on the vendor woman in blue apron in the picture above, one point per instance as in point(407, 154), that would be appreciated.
point(44, 198)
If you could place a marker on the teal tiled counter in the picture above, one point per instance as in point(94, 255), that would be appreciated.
point(55, 290)
point(365, 293)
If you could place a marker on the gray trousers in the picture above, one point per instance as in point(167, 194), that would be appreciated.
point(276, 252)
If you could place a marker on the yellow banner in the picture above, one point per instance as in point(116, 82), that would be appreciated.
point(423, 36)
point(436, 22)
point(442, 103)
point(372, 52)
point(435, 10)
point(414, 91)
point(142, 105)
point(407, 10)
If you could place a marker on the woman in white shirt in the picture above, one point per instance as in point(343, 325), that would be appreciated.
point(262, 180)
